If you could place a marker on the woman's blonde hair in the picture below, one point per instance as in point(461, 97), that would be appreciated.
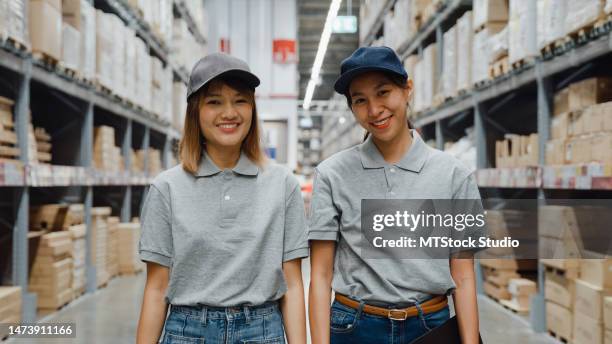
point(193, 142)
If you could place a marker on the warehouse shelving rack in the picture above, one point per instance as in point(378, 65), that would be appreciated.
point(83, 107)
point(534, 84)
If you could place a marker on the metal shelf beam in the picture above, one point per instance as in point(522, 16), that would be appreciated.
point(181, 10)
point(378, 23)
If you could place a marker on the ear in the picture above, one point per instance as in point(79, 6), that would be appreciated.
point(408, 89)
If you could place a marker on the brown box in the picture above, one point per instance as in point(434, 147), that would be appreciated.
point(601, 147)
point(576, 125)
point(587, 330)
point(559, 126)
point(578, 150)
point(608, 336)
point(589, 92)
point(593, 119)
point(521, 286)
point(608, 312)
point(45, 21)
point(598, 272)
point(71, 12)
point(606, 110)
point(559, 320)
point(559, 289)
point(589, 299)
point(561, 102)
point(555, 152)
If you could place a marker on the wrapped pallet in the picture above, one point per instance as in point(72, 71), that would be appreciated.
point(112, 247)
point(82, 16)
point(130, 65)
point(418, 86)
point(143, 76)
point(481, 52)
point(10, 308)
point(45, 27)
point(464, 55)
point(389, 31)
point(118, 56)
point(51, 272)
point(106, 155)
point(489, 11)
point(583, 13)
point(13, 20)
point(129, 234)
point(551, 21)
point(71, 47)
point(157, 80)
point(430, 78)
point(449, 74)
point(104, 49)
point(522, 30)
point(498, 45)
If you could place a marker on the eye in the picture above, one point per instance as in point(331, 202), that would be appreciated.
point(383, 92)
point(241, 101)
point(213, 102)
point(358, 101)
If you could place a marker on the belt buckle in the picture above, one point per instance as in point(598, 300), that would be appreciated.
point(399, 318)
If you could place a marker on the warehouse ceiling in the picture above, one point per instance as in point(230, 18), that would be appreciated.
point(311, 19)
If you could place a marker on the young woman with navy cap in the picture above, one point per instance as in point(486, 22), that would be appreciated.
point(381, 300)
point(224, 232)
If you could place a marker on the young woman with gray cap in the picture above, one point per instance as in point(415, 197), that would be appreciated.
point(224, 232)
point(383, 300)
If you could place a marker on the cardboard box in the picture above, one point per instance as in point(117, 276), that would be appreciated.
point(521, 286)
point(561, 102)
point(71, 47)
point(551, 21)
point(559, 320)
point(587, 330)
point(559, 126)
point(589, 92)
point(555, 152)
point(608, 336)
point(104, 48)
point(589, 299)
point(601, 147)
point(45, 27)
point(498, 45)
point(583, 13)
point(576, 123)
point(578, 150)
point(598, 272)
point(554, 248)
point(449, 74)
point(559, 289)
point(481, 51)
point(522, 30)
point(487, 11)
point(13, 20)
point(464, 55)
point(608, 312)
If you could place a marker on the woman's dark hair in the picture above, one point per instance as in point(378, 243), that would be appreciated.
point(397, 80)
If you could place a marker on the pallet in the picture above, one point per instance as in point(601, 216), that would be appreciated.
point(46, 60)
point(102, 88)
point(70, 72)
point(499, 67)
point(523, 63)
point(14, 44)
point(513, 307)
point(558, 337)
point(567, 273)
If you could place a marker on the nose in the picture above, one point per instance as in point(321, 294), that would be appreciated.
point(230, 113)
point(375, 108)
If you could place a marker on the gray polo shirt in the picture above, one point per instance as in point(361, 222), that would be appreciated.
point(360, 172)
point(224, 234)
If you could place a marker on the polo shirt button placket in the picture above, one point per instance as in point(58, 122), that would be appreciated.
point(226, 213)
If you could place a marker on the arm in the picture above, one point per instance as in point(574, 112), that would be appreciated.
point(321, 272)
point(464, 298)
point(293, 304)
point(154, 306)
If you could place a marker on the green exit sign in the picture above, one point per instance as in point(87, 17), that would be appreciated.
point(345, 24)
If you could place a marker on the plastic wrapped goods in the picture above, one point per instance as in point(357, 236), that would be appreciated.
point(522, 30)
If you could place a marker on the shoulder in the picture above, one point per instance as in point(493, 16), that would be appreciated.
point(274, 172)
point(170, 177)
point(448, 164)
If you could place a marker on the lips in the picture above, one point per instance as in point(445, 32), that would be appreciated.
point(382, 123)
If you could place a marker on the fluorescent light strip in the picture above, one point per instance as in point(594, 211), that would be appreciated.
point(318, 62)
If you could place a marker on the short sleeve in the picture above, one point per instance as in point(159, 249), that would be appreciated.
point(156, 237)
point(467, 189)
point(295, 244)
point(324, 217)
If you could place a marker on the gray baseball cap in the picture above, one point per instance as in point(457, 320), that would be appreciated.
point(217, 64)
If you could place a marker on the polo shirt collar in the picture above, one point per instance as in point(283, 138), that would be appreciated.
point(413, 160)
point(244, 166)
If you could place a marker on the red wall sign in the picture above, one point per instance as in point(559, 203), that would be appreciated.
point(283, 51)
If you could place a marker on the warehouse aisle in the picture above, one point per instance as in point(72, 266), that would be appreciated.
point(112, 314)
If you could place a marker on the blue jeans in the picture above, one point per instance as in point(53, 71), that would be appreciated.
point(349, 325)
point(232, 325)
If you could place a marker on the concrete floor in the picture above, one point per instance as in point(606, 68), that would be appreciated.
point(110, 315)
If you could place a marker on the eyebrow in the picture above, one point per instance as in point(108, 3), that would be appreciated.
point(237, 94)
point(384, 83)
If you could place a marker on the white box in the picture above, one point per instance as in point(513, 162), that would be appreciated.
point(449, 74)
point(464, 55)
point(88, 40)
point(130, 65)
point(582, 13)
point(104, 48)
point(71, 47)
point(550, 21)
point(522, 30)
point(498, 45)
point(118, 53)
point(13, 20)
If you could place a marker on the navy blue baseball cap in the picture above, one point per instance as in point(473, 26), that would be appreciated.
point(367, 59)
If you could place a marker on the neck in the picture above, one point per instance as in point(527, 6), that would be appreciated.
point(223, 157)
point(394, 149)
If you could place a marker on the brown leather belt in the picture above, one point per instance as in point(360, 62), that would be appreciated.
point(429, 306)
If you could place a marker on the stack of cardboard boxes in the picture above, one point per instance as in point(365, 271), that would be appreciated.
point(521, 290)
point(154, 162)
point(592, 288)
point(45, 22)
point(8, 137)
point(10, 308)
point(51, 272)
point(581, 129)
point(112, 247)
point(522, 31)
point(99, 234)
point(80, 15)
point(13, 21)
point(129, 234)
point(517, 151)
point(107, 156)
point(559, 292)
point(77, 233)
point(42, 140)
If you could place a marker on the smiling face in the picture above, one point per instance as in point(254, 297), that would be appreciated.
point(226, 115)
point(379, 105)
